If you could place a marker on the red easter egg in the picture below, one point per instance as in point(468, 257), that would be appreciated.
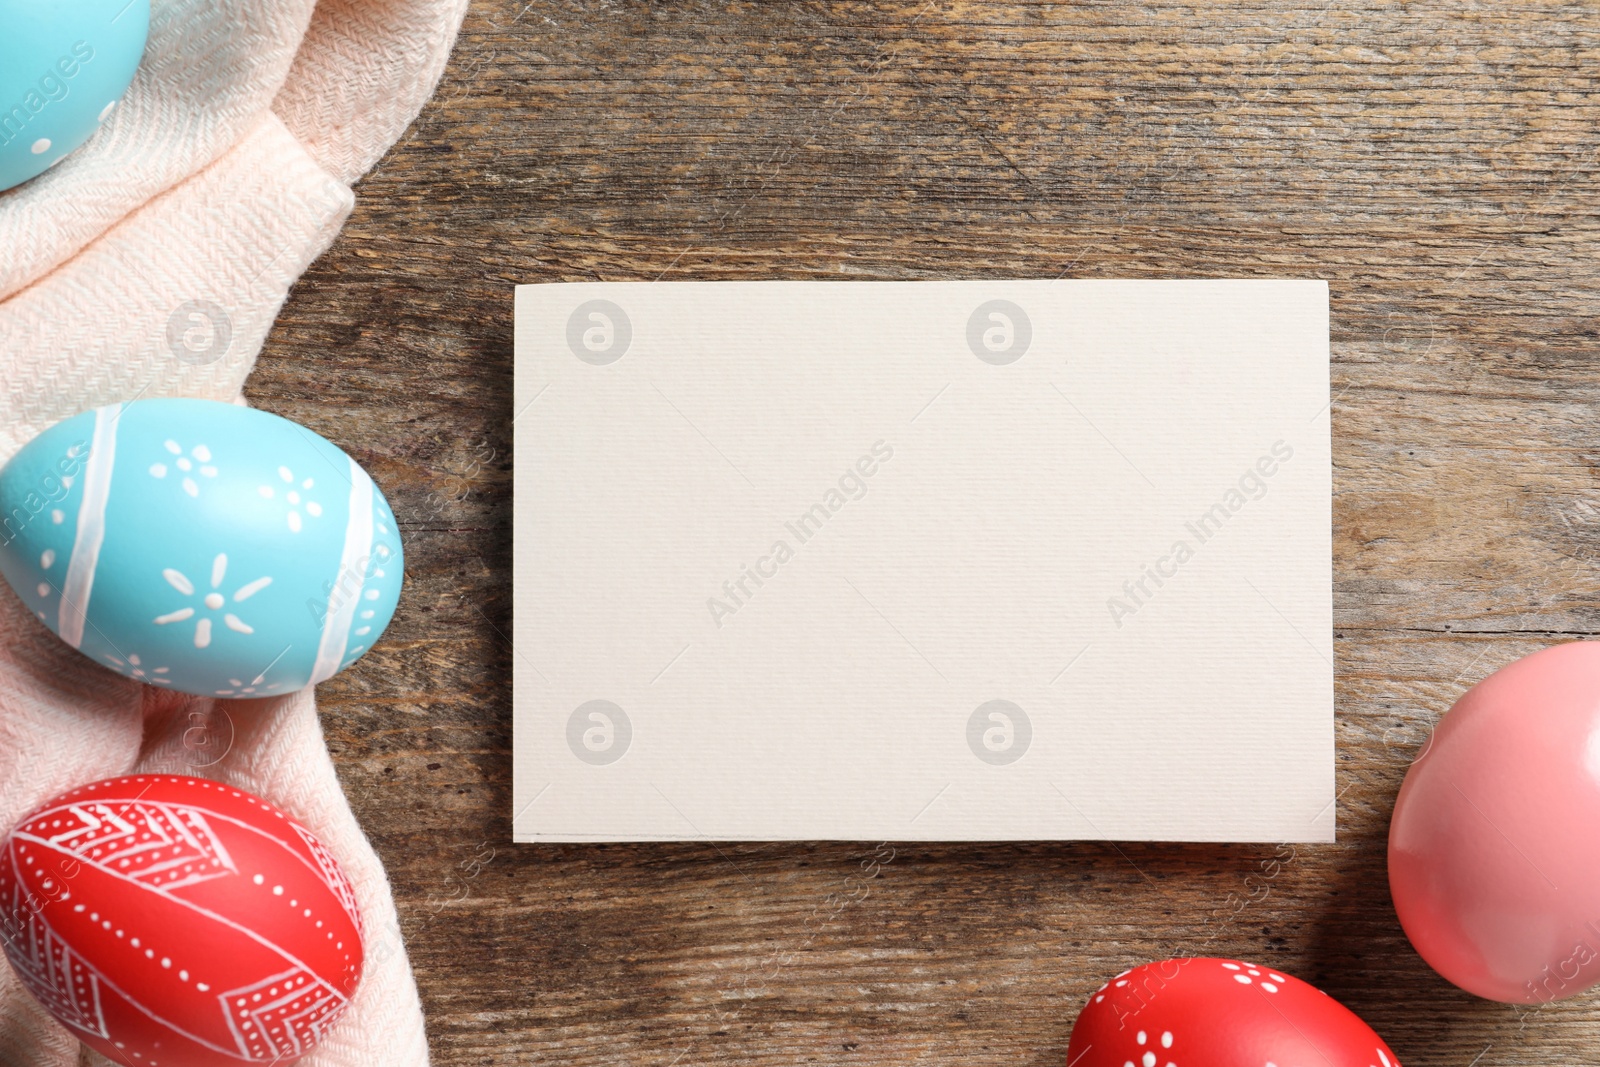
point(1219, 1013)
point(177, 922)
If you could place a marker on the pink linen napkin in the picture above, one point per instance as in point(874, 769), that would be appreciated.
point(152, 262)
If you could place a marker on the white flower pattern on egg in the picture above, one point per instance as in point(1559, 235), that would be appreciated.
point(134, 668)
point(1244, 974)
point(198, 461)
point(296, 496)
point(211, 602)
point(1148, 1057)
point(255, 687)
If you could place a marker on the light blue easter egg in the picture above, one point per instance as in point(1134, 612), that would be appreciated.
point(64, 64)
point(205, 547)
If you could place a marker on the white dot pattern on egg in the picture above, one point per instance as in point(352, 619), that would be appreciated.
point(1197, 1010)
point(144, 535)
point(1148, 1057)
point(62, 67)
point(1245, 974)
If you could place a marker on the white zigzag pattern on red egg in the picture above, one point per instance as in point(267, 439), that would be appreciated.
point(163, 846)
point(332, 876)
point(47, 966)
point(281, 1016)
point(53, 973)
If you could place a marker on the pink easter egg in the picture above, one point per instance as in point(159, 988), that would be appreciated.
point(1492, 859)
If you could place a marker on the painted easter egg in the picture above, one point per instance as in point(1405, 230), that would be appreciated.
point(178, 922)
point(64, 64)
point(1198, 1012)
point(1491, 858)
point(205, 547)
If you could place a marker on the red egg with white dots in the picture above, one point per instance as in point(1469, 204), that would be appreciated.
point(170, 921)
point(1199, 1012)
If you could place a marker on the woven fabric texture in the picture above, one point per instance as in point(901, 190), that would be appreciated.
point(152, 262)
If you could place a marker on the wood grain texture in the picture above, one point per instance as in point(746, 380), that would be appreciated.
point(1434, 161)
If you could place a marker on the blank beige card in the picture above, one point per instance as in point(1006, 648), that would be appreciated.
point(972, 560)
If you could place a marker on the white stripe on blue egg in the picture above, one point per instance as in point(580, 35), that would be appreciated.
point(355, 560)
point(86, 545)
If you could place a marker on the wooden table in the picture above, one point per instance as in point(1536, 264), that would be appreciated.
point(1434, 161)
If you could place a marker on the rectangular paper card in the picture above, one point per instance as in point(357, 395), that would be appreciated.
point(975, 560)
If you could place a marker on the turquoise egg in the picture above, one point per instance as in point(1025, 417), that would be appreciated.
point(204, 547)
point(64, 64)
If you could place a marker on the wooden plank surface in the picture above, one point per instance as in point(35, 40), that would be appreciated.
point(1434, 161)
